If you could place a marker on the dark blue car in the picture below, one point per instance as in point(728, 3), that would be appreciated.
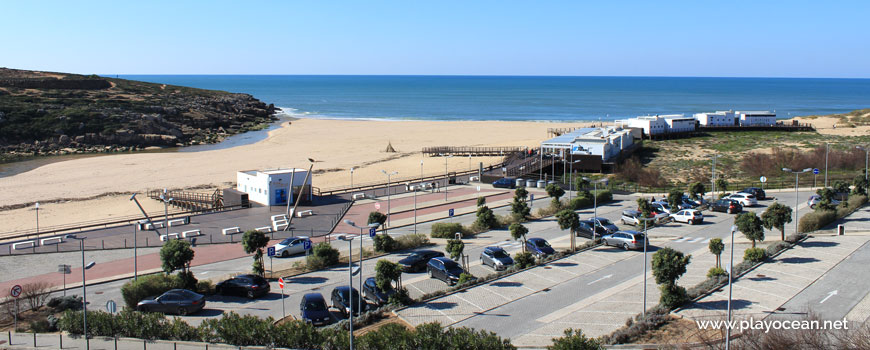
point(504, 182)
point(539, 247)
point(314, 309)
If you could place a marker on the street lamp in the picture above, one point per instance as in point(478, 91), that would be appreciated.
point(796, 173)
point(645, 243)
point(446, 174)
point(84, 288)
point(595, 206)
point(713, 179)
point(866, 161)
point(166, 199)
point(351, 176)
point(350, 273)
point(827, 148)
point(730, 279)
point(36, 207)
point(361, 228)
point(571, 180)
point(389, 222)
point(417, 188)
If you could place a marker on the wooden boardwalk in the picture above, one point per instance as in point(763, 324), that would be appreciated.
point(471, 151)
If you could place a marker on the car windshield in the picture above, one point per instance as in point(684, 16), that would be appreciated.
point(417, 255)
point(542, 243)
point(604, 222)
point(344, 293)
point(287, 241)
point(500, 254)
point(638, 236)
point(315, 305)
point(666, 206)
point(259, 280)
point(451, 265)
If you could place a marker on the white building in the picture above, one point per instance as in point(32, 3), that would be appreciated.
point(756, 118)
point(270, 187)
point(718, 118)
point(604, 142)
point(679, 123)
point(651, 124)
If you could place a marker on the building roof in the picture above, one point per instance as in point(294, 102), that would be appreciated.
point(273, 171)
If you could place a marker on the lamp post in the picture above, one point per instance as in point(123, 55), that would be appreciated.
point(827, 148)
point(796, 173)
point(571, 180)
point(645, 243)
point(388, 194)
point(866, 161)
point(84, 289)
point(595, 206)
point(713, 179)
point(730, 279)
point(166, 199)
point(351, 176)
point(446, 175)
point(36, 207)
point(415, 196)
point(350, 284)
point(361, 228)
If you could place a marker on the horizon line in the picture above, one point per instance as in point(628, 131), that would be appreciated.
point(480, 75)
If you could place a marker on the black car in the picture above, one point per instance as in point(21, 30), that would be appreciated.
point(608, 226)
point(757, 192)
point(375, 294)
point(417, 261)
point(314, 310)
point(496, 258)
point(585, 229)
point(250, 286)
point(539, 247)
point(175, 301)
point(729, 206)
point(505, 182)
point(444, 269)
point(344, 297)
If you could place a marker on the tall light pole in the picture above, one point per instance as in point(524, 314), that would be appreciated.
point(796, 173)
point(36, 207)
point(166, 199)
point(827, 148)
point(571, 180)
point(361, 228)
point(446, 175)
point(350, 284)
point(645, 243)
point(866, 161)
point(415, 196)
point(713, 179)
point(84, 288)
point(595, 207)
point(730, 279)
point(351, 176)
point(388, 194)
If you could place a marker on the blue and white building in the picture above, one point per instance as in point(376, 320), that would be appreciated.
point(718, 118)
point(606, 143)
point(756, 118)
point(270, 187)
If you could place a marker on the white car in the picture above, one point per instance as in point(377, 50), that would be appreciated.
point(745, 199)
point(689, 216)
point(292, 245)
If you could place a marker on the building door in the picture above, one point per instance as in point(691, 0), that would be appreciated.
point(280, 196)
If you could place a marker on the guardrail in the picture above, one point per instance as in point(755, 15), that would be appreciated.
point(472, 151)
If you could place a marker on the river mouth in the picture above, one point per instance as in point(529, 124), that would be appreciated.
point(246, 138)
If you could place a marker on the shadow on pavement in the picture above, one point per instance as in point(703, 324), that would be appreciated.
point(797, 260)
point(440, 305)
point(506, 284)
point(207, 313)
point(819, 244)
point(563, 264)
point(736, 304)
point(307, 280)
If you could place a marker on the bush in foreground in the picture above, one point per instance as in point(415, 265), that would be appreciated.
point(446, 230)
point(146, 286)
point(575, 340)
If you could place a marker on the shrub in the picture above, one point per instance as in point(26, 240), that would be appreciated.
point(384, 243)
point(753, 255)
point(40, 326)
point(205, 287)
point(776, 248)
point(410, 241)
point(377, 217)
point(186, 280)
point(401, 298)
point(323, 255)
point(523, 260)
point(69, 302)
point(575, 340)
point(146, 286)
point(465, 278)
point(446, 230)
point(673, 296)
point(35, 294)
point(716, 271)
point(604, 196)
point(578, 203)
point(815, 220)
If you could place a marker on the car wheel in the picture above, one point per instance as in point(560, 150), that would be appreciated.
point(605, 243)
point(218, 290)
point(143, 309)
point(430, 274)
point(250, 294)
point(625, 246)
point(182, 311)
point(285, 254)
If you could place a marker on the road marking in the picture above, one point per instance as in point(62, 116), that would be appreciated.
point(830, 294)
point(466, 301)
point(589, 300)
point(696, 240)
point(681, 239)
point(599, 280)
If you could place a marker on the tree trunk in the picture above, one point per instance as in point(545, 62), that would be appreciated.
point(782, 232)
point(717, 261)
point(753, 244)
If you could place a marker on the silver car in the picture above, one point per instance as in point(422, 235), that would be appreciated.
point(292, 245)
point(625, 239)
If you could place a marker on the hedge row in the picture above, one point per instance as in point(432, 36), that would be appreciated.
point(820, 218)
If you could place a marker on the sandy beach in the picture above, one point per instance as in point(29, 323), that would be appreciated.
point(336, 145)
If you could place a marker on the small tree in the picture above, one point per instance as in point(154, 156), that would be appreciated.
point(668, 265)
point(486, 218)
point(675, 200)
point(387, 272)
point(575, 340)
point(860, 184)
point(556, 192)
point(254, 241)
point(751, 226)
point(825, 202)
point(481, 201)
point(568, 220)
point(696, 189)
point(455, 248)
point(518, 231)
point(519, 207)
point(176, 254)
point(841, 186)
point(644, 207)
point(722, 184)
point(377, 217)
point(776, 216)
point(716, 247)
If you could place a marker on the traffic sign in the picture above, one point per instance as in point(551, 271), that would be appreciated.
point(306, 245)
point(373, 231)
point(816, 171)
point(64, 269)
point(270, 251)
point(111, 307)
point(378, 206)
point(16, 291)
point(281, 283)
point(478, 188)
point(532, 196)
point(450, 212)
point(763, 179)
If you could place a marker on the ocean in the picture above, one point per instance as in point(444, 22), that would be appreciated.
point(522, 98)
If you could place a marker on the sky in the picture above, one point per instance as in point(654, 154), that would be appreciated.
point(564, 38)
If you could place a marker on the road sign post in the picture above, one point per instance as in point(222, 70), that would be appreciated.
point(531, 199)
point(450, 214)
point(271, 253)
point(763, 180)
point(281, 285)
point(815, 176)
point(372, 232)
point(64, 270)
point(111, 307)
point(15, 293)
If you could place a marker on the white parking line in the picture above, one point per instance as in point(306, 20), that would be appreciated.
point(696, 240)
point(470, 303)
point(494, 292)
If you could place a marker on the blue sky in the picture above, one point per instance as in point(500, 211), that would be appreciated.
point(623, 38)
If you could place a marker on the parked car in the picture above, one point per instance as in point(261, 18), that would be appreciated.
point(661, 207)
point(689, 203)
point(417, 260)
point(625, 239)
point(175, 301)
point(745, 199)
point(250, 286)
point(539, 247)
point(314, 310)
point(585, 228)
point(375, 294)
point(815, 199)
point(689, 216)
point(343, 297)
point(635, 217)
point(496, 258)
point(505, 182)
point(292, 245)
point(444, 269)
point(755, 191)
point(726, 205)
point(608, 226)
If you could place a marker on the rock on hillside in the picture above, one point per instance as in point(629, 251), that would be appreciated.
point(58, 113)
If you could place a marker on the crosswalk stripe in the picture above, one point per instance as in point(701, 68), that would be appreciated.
point(696, 240)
